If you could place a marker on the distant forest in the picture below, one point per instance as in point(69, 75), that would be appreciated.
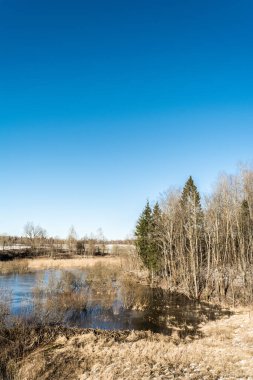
point(36, 242)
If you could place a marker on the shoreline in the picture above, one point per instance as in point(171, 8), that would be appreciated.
point(222, 350)
point(219, 350)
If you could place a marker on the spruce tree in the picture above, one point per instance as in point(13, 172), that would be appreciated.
point(156, 231)
point(245, 221)
point(190, 194)
point(143, 234)
point(157, 213)
point(245, 211)
point(146, 234)
point(191, 205)
point(193, 225)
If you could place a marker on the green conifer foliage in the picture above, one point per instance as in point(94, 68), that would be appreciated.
point(190, 194)
point(156, 258)
point(245, 212)
point(143, 234)
point(192, 218)
point(146, 234)
point(246, 221)
point(191, 206)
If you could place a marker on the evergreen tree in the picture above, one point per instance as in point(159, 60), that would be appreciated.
point(156, 231)
point(143, 234)
point(190, 194)
point(245, 211)
point(157, 213)
point(146, 233)
point(191, 206)
point(193, 227)
point(246, 222)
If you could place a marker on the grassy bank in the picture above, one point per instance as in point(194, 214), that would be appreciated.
point(222, 350)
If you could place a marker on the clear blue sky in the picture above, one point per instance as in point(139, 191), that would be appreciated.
point(104, 104)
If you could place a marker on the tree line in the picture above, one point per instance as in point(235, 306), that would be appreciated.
point(202, 247)
point(36, 241)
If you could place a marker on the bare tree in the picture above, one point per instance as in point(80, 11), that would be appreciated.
point(101, 241)
point(72, 239)
point(35, 234)
point(207, 250)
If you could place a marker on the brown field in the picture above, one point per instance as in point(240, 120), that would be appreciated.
point(26, 265)
point(46, 263)
point(223, 350)
point(15, 266)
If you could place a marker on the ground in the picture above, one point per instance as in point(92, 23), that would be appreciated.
point(222, 350)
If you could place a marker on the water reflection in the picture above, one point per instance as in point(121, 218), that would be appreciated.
point(102, 298)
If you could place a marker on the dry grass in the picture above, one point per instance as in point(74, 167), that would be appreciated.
point(80, 262)
point(27, 265)
point(14, 266)
point(225, 352)
point(5, 299)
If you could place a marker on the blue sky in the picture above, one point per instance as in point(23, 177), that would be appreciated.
point(104, 104)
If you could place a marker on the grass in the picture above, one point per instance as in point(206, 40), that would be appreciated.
point(29, 265)
point(224, 352)
point(14, 266)
point(80, 262)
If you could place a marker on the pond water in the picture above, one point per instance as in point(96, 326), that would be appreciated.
point(87, 299)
